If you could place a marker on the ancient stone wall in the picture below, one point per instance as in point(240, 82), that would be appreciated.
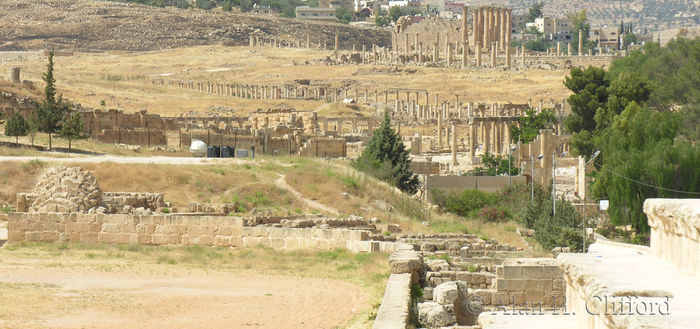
point(457, 184)
point(182, 230)
point(323, 147)
point(529, 281)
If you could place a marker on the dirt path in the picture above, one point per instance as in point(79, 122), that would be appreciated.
point(185, 298)
point(281, 182)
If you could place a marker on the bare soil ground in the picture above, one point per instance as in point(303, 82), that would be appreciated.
point(96, 26)
point(102, 286)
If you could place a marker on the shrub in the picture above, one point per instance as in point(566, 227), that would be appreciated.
point(493, 214)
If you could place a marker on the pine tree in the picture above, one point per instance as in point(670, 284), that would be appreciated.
point(386, 158)
point(17, 126)
point(72, 129)
point(47, 115)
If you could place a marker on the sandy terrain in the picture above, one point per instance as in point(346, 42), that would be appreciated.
point(80, 298)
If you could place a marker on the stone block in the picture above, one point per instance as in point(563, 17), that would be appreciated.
point(484, 294)
point(88, 237)
point(534, 297)
point(502, 285)
point(206, 240)
point(145, 238)
point(105, 237)
point(226, 230)
point(291, 243)
point(558, 285)
point(552, 272)
point(15, 236)
point(222, 241)
point(175, 239)
point(532, 272)
point(499, 298)
point(122, 238)
point(446, 293)
point(434, 315)
point(111, 227)
point(75, 237)
point(512, 272)
point(277, 242)
point(194, 230)
point(517, 285)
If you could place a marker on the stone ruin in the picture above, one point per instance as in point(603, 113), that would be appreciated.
point(74, 190)
point(66, 189)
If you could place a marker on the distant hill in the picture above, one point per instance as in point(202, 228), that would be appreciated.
point(92, 26)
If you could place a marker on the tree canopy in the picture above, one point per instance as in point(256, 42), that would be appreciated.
point(644, 117)
point(531, 124)
point(49, 113)
point(16, 126)
point(386, 158)
point(534, 12)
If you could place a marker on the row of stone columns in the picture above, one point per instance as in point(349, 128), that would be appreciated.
point(492, 25)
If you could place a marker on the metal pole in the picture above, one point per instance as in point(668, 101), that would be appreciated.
point(584, 214)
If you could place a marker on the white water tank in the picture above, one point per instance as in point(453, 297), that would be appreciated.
point(198, 148)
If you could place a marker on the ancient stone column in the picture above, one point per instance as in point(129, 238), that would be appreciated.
point(308, 41)
point(439, 130)
point(405, 35)
point(449, 54)
point(580, 42)
point(15, 75)
point(465, 28)
point(508, 55)
point(558, 48)
point(487, 26)
point(386, 96)
point(523, 53)
point(472, 142)
point(569, 49)
point(336, 42)
point(252, 41)
point(436, 53)
point(420, 52)
point(502, 28)
point(465, 51)
point(509, 26)
point(486, 136)
point(478, 54)
point(494, 51)
point(454, 144)
point(476, 24)
point(426, 98)
point(325, 45)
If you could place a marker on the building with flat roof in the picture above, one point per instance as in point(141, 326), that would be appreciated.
point(316, 13)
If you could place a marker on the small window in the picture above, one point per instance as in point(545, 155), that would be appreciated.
point(315, 14)
point(612, 33)
point(568, 37)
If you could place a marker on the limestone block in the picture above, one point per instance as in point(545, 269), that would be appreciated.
point(145, 238)
point(226, 230)
point(512, 272)
point(122, 238)
point(89, 237)
point(206, 240)
point(222, 241)
point(175, 239)
point(433, 315)
point(75, 237)
point(428, 293)
point(405, 261)
point(484, 294)
point(437, 265)
point(105, 237)
point(446, 293)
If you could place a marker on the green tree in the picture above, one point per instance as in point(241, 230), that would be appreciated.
point(203, 4)
point(382, 21)
point(344, 15)
point(531, 124)
point(16, 126)
point(538, 44)
point(227, 6)
point(47, 115)
point(72, 129)
point(386, 158)
point(590, 88)
point(395, 13)
point(182, 4)
point(630, 39)
point(580, 23)
point(534, 12)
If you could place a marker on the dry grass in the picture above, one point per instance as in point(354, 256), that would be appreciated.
point(369, 271)
point(17, 177)
point(81, 78)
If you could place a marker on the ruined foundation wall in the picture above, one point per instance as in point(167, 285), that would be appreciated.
point(223, 231)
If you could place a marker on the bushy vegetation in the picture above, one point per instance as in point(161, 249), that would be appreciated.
point(643, 115)
point(494, 165)
point(514, 202)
